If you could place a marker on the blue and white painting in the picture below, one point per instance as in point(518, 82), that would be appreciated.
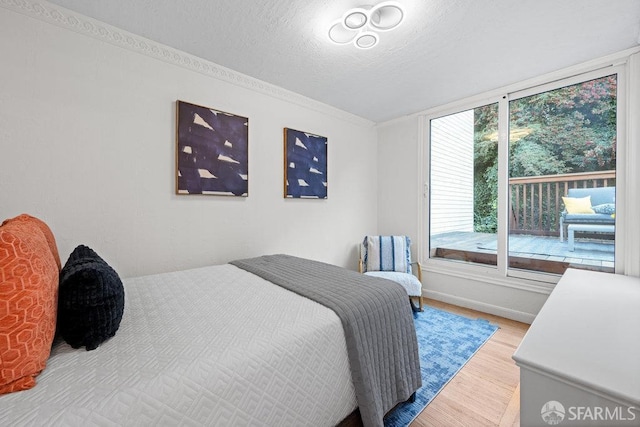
point(213, 151)
point(305, 165)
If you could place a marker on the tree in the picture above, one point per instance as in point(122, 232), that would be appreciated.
point(566, 130)
point(485, 203)
point(574, 129)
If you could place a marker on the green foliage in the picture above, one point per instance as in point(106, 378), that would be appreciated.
point(574, 129)
point(485, 203)
point(567, 130)
point(529, 158)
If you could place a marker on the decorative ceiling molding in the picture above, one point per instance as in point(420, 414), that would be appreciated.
point(87, 26)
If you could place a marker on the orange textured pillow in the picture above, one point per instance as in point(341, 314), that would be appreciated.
point(48, 234)
point(28, 302)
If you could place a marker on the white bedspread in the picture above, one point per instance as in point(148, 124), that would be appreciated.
point(210, 346)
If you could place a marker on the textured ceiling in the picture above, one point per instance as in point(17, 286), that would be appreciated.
point(444, 51)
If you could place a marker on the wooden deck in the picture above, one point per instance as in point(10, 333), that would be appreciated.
point(590, 253)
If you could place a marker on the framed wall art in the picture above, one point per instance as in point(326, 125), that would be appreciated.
point(212, 151)
point(305, 165)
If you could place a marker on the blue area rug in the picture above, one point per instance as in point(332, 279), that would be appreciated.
point(446, 342)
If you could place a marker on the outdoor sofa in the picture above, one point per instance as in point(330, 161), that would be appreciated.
point(602, 204)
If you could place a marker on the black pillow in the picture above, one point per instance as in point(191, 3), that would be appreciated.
point(90, 300)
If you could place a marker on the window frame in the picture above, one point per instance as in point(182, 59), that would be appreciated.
point(501, 272)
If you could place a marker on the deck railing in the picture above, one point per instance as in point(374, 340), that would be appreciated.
point(536, 202)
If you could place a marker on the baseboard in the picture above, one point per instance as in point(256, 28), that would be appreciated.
point(507, 313)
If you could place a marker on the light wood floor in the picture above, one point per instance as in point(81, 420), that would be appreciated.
point(486, 391)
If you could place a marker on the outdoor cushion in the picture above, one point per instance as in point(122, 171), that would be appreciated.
point(605, 208)
point(588, 219)
point(598, 195)
point(575, 205)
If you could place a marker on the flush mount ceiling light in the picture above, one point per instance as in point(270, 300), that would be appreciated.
point(361, 24)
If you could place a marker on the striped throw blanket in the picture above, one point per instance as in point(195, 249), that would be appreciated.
point(387, 253)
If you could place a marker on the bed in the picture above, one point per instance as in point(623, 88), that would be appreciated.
point(217, 345)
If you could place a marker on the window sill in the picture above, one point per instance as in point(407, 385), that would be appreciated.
point(542, 284)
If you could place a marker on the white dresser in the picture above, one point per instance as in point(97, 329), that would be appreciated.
point(580, 360)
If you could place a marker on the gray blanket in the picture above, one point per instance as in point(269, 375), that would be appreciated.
point(377, 321)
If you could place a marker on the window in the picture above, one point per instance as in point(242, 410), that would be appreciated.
point(463, 221)
point(539, 196)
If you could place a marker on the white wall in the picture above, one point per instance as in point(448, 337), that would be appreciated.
point(398, 188)
point(87, 143)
